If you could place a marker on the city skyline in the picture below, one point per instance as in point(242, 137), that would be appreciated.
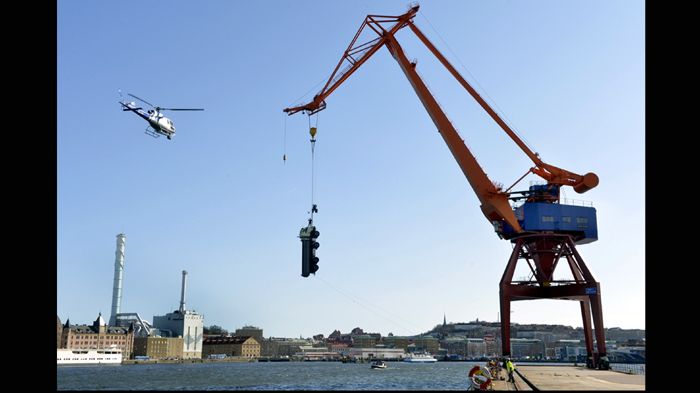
point(403, 241)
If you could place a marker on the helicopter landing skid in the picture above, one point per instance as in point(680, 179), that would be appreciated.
point(150, 131)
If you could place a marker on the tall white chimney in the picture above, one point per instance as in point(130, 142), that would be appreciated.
point(118, 272)
point(182, 294)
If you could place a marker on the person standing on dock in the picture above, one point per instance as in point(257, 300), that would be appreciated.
point(510, 367)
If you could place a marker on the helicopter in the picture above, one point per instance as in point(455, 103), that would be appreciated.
point(157, 123)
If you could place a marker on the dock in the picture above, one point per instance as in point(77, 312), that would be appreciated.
point(569, 378)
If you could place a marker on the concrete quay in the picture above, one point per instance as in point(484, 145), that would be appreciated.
point(570, 378)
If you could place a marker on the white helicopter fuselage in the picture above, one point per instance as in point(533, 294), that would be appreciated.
point(161, 123)
point(158, 124)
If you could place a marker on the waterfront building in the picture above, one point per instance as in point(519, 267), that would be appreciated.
point(231, 346)
point(464, 346)
point(622, 335)
point(397, 341)
point(269, 348)
point(476, 348)
point(309, 352)
point(569, 350)
point(98, 336)
point(411, 344)
point(59, 332)
point(375, 353)
point(521, 348)
point(250, 331)
point(338, 347)
point(364, 340)
point(453, 346)
point(284, 346)
point(338, 338)
point(426, 344)
point(549, 352)
point(626, 354)
point(546, 337)
point(159, 347)
point(493, 345)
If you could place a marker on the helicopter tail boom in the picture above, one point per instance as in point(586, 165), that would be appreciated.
point(130, 106)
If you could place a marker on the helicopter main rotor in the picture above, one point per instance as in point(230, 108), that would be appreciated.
point(179, 109)
point(158, 109)
point(142, 100)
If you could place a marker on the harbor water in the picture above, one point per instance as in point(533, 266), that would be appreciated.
point(266, 376)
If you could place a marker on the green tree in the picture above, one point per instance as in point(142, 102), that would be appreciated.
point(215, 330)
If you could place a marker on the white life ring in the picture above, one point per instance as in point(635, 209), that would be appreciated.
point(480, 377)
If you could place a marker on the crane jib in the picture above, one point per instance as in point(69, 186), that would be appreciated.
point(495, 203)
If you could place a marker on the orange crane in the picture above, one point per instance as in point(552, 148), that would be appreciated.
point(543, 229)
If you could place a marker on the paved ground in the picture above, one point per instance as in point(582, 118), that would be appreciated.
point(572, 378)
point(503, 385)
point(497, 384)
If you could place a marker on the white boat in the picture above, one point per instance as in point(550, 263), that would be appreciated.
point(88, 356)
point(419, 358)
point(378, 364)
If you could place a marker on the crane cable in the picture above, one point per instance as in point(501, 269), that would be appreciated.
point(312, 132)
point(493, 102)
point(284, 141)
point(374, 308)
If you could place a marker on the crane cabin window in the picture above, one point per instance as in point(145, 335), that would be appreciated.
point(547, 218)
point(582, 222)
point(566, 219)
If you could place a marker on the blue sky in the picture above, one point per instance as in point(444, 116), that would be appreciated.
point(403, 241)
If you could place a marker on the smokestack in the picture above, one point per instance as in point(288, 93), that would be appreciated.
point(182, 294)
point(118, 271)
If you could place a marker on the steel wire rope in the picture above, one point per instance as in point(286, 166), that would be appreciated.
point(310, 90)
point(284, 140)
point(389, 316)
point(501, 112)
point(313, 145)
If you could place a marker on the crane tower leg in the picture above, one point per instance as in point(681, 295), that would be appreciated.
point(586, 315)
point(542, 253)
point(506, 297)
point(600, 360)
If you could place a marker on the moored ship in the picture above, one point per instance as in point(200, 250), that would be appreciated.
point(88, 356)
point(419, 358)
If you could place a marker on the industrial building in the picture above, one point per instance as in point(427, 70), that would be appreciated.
point(250, 331)
point(141, 327)
point(158, 347)
point(245, 346)
point(184, 323)
point(175, 335)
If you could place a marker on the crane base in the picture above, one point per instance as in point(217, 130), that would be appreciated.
point(542, 252)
